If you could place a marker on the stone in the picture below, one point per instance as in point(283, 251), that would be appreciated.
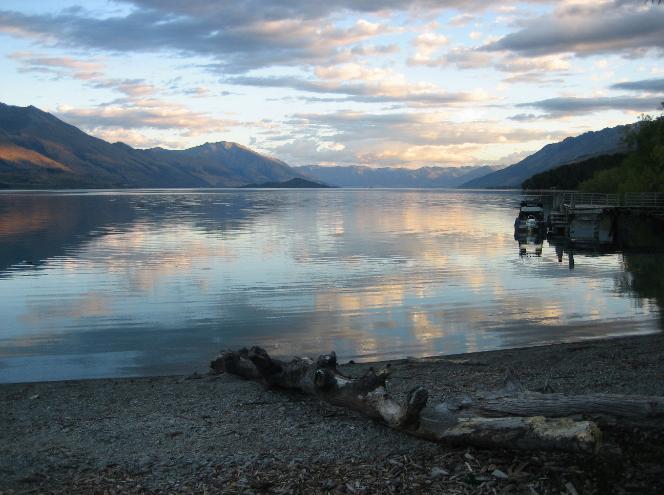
point(437, 472)
point(497, 473)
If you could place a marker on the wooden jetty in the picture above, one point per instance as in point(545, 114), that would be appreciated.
point(591, 216)
point(649, 202)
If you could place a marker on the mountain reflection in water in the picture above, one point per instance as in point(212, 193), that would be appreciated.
point(128, 283)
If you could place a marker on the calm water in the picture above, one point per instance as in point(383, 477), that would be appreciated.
point(100, 284)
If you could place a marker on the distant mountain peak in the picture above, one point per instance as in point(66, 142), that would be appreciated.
point(39, 150)
point(217, 146)
point(363, 176)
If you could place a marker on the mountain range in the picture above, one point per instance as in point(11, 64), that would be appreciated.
point(359, 176)
point(39, 150)
point(571, 149)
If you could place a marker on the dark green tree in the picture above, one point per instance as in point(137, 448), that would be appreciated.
point(643, 167)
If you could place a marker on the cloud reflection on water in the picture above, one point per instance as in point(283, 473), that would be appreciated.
point(172, 277)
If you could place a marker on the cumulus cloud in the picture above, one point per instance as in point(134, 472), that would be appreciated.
point(426, 44)
point(220, 31)
point(545, 69)
point(126, 118)
point(588, 29)
point(395, 139)
point(272, 9)
point(542, 69)
point(460, 56)
point(336, 48)
point(239, 36)
point(551, 63)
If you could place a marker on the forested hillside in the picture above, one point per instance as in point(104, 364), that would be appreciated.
point(642, 170)
point(571, 175)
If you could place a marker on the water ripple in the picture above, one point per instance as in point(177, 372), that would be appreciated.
point(145, 282)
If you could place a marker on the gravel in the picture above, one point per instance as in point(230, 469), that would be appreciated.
point(222, 434)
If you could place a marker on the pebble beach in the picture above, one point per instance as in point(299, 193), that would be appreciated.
point(205, 433)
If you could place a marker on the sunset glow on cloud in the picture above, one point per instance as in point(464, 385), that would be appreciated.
point(378, 83)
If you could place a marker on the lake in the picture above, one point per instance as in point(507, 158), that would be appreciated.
point(136, 283)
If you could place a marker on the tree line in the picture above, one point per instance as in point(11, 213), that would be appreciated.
point(641, 169)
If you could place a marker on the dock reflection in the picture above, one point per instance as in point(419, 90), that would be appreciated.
point(157, 280)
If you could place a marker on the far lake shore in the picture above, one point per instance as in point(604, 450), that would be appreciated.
point(204, 433)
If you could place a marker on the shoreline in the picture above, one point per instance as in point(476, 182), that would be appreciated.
point(218, 432)
point(362, 362)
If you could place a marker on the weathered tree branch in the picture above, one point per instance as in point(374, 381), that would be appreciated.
point(607, 409)
point(509, 418)
point(321, 378)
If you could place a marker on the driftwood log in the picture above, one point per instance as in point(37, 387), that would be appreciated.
point(509, 418)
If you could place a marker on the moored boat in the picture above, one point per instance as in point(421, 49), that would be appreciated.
point(531, 217)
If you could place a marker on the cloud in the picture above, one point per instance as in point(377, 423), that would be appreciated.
point(413, 128)
point(527, 117)
point(460, 56)
point(564, 106)
point(426, 44)
point(367, 50)
point(534, 69)
point(57, 67)
point(134, 138)
point(396, 139)
point(90, 71)
point(364, 84)
point(126, 119)
point(588, 29)
point(461, 20)
point(139, 109)
point(201, 92)
point(145, 113)
point(520, 69)
point(129, 87)
point(333, 54)
point(274, 9)
point(550, 63)
point(235, 36)
point(647, 85)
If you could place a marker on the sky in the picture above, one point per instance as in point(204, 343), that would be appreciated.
point(381, 83)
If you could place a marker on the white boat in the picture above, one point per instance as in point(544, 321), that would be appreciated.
point(531, 217)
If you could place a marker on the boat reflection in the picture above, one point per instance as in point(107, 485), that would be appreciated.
point(138, 283)
point(530, 242)
point(586, 230)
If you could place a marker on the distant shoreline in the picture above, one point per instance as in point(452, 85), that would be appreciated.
point(243, 188)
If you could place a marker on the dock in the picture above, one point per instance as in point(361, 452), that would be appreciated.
point(590, 216)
